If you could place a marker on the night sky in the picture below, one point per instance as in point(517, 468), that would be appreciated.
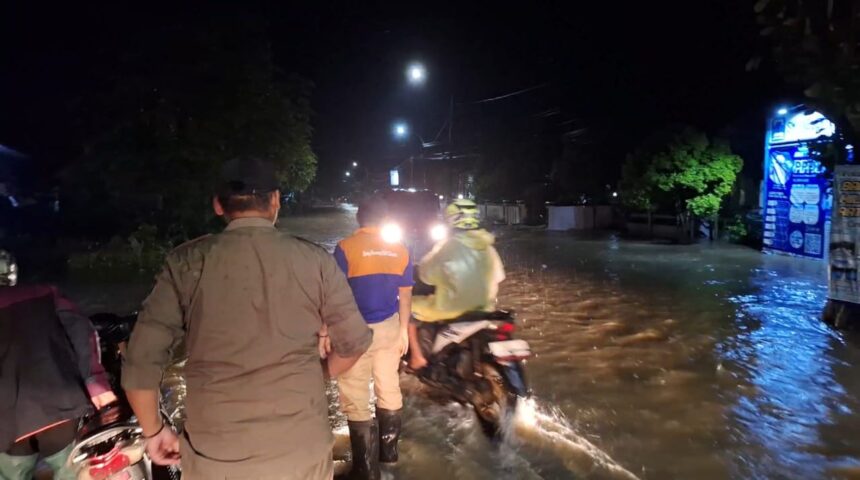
point(627, 68)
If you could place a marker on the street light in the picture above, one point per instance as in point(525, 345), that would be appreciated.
point(354, 164)
point(346, 173)
point(401, 130)
point(416, 74)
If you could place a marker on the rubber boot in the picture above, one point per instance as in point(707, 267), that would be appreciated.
point(59, 464)
point(17, 467)
point(364, 439)
point(389, 434)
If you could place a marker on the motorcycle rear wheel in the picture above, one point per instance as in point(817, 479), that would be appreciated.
point(494, 415)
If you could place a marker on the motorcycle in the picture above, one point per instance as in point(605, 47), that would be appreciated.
point(475, 360)
point(110, 443)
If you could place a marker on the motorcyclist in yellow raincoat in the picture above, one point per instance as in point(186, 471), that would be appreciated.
point(465, 269)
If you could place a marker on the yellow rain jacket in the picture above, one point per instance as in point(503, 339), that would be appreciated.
point(466, 271)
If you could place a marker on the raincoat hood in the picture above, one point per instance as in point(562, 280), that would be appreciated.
point(475, 239)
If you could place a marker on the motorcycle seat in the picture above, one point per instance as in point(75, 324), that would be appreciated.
point(115, 415)
point(478, 315)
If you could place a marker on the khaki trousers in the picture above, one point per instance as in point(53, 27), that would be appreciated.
point(381, 363)
point(198, 467)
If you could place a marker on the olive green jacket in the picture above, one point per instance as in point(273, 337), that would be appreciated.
point(247, 304)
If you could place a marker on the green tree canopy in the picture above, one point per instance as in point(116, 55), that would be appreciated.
point(171, 109)
point(680, 170)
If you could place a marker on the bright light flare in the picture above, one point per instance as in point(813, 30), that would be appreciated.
point(782, 111)
point(416, 73)
point(438, 232)
point(400, 130)
point(460, 196)
point(391, 233)
point(354, 164)
point(347, 173)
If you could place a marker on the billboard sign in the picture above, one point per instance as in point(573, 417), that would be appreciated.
point(845, 236)
point(797, 196)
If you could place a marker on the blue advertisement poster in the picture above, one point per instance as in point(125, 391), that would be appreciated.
point(798, 199)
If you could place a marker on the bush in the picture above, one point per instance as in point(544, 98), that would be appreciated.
point(140, 254)
point(736, 229)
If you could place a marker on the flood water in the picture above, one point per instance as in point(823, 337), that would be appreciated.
point(653, 361)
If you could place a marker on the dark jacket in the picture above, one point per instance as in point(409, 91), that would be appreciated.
point(49, 365)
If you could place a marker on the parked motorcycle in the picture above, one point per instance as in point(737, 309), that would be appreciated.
point(110, 443)
point(475, 360)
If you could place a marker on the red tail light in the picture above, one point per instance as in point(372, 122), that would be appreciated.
point(504, 330)
point(103, 466)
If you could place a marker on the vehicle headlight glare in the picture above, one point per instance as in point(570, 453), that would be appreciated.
point(391, 233)
point(438, 232)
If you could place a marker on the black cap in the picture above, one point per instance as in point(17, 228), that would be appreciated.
point(242, 176)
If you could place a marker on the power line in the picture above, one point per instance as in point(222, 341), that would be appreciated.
point(512, 94)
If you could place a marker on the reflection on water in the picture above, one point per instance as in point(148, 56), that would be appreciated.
point(688, 362)
point(786, 354)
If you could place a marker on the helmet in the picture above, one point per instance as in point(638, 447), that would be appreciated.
point(462, 214)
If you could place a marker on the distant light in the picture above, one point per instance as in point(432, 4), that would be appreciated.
point(460, 196)
point(614, 194)
point(347, 174)
point(400, 130)
point(354, 164)
point(849, 147)
point(782, 111)
point(416, 73)
point(411, 190)
point(391, 233)
point(441, 197)
point(438, 232)
point(394, 177)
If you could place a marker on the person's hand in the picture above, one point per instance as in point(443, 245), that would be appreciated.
point(324, 342)
point(163, 448)
point(417, 360)
point(103, 399)
point(404, 341)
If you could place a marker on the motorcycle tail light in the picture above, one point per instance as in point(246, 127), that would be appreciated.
point(103, 466)
point(507, 328)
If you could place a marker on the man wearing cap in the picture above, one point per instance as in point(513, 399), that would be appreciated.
point(247, 305)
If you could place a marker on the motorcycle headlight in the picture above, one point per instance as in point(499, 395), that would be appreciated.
point(391, 233)
point(438, 232)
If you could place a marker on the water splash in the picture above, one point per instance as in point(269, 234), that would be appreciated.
point(548, 430)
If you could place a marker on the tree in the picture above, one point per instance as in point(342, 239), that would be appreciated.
point(682, 171)
point(171, 108)
point(814, 45)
